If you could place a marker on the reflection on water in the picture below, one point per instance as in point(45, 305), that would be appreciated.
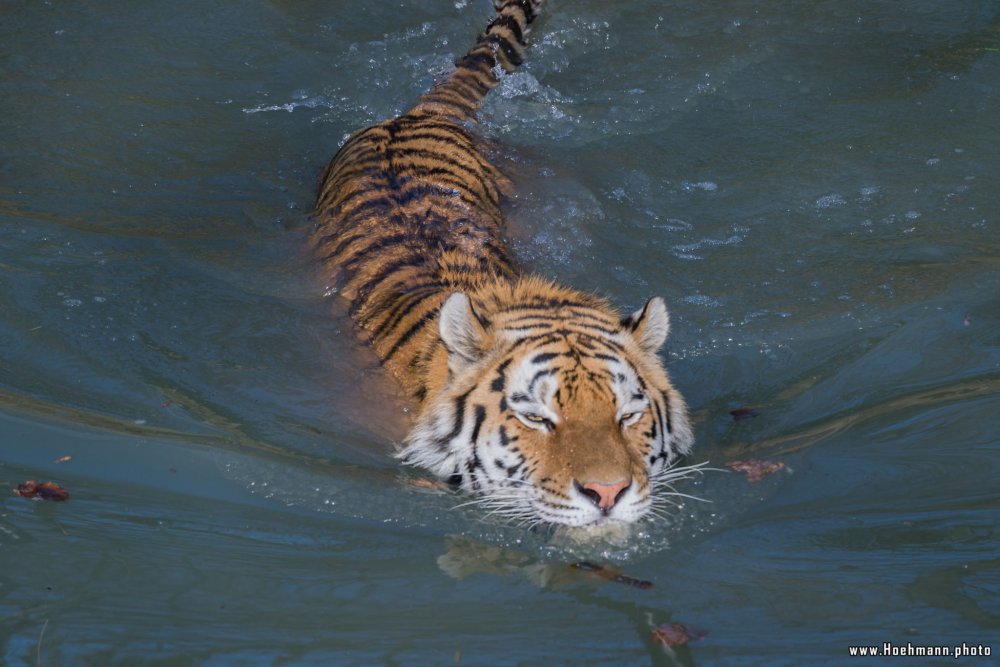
point(811, 188)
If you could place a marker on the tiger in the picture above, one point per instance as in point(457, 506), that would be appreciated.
point(540, 400)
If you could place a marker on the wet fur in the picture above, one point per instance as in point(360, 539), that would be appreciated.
point(524, 386)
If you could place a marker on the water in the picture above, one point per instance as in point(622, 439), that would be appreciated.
point(811, 188)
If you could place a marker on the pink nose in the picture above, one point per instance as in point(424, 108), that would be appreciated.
point(604, 495)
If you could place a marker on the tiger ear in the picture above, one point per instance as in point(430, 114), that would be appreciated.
point(462, 331)
point(649, 325)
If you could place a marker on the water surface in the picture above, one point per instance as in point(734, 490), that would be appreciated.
point(812, 188)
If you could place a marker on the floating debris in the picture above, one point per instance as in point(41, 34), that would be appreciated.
point(756, 469)
point(676, 634)
point(739, 414)
point(45, 491)
point(612, 575)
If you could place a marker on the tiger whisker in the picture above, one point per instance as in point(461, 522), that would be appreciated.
point(677, 494)
point(487, 501)
point(680, 472)
point(657, 513)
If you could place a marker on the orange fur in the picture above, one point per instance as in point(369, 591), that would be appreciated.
point(408, 215)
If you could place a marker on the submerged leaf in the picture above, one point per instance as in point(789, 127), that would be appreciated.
point(756, 469)
point(610, 574)
point(676, 634)
point(740, 414)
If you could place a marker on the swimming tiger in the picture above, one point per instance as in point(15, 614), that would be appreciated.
point(540, 398)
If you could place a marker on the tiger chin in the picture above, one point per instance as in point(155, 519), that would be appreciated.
point(539, 399)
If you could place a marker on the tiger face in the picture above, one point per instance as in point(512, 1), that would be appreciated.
point(557, 415)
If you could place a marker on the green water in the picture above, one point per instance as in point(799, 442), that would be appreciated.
point(811, 187)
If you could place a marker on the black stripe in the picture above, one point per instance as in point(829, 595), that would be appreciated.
point(439, 158)
point(544, 303)
point(420, 292)
point(527, 8)
point(424, 132)
point(342, 244)
point(480, 416)
point(509, 49)
point(355, 170)
point(419, 189)
point(459, 419)
point(538, 376)
point(417, 326)
point(512, 24)
point(592, 316)
point(666, 411)
point(500, 380)
point(658, 416)
point(412, 190)
point(383, 274)
point(376, 204)
point(477, 57)
point(470, 81)
point(607, 343)
point(366, 252)
point(548, 337)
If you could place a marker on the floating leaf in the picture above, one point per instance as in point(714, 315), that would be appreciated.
point(45, 491)
point(756, 469)
point(739, 414)
point(612, 575)
point(676, 634)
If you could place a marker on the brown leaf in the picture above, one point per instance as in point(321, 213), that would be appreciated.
point(45, 491)
point(52, 491)
point(756, 469)
point(612, 575)
point(739, 414)
point(27, 489)
point(676, 634)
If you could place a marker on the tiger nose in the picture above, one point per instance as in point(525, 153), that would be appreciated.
point(604, 495)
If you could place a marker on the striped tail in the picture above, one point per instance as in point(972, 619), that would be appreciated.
point(499, 48)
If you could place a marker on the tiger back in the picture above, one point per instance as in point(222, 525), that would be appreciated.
point(539, 398)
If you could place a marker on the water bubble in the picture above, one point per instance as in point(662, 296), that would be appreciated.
point(702, 300)
point(675, 225)
point(826, 201)
point(706, 186)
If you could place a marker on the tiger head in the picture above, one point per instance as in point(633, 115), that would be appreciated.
point(553, 411)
